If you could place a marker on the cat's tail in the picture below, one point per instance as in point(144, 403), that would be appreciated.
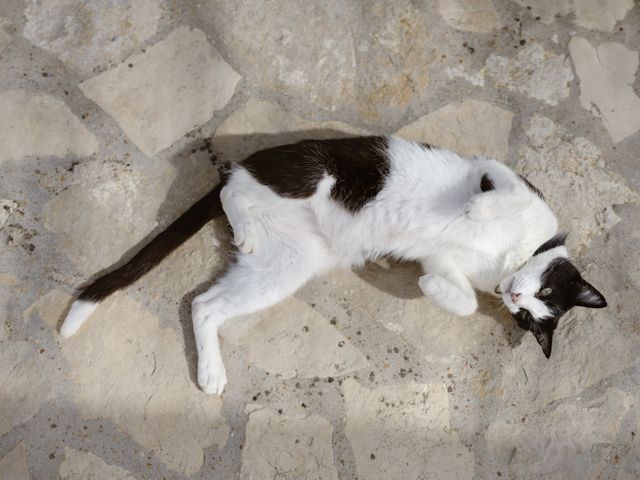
point(205, 209)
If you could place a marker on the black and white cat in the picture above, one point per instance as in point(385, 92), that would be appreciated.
point(300, 210)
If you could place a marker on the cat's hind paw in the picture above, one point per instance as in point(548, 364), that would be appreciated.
point(480, 208)
point(212, 376)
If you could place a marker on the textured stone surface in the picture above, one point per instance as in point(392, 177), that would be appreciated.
point(594, 14)
point(40, 125)
point(13, 466)
point(405, 421)
point(158, 96)
point(575, 440)
point(79, 465)
point(50, 308)
point(287, 448)
point(472, 127)
point(123, 203)
point(259, 124)
point(85, 35)
point(144, 384)
point(5, 36)
point(606, 75)
point(564, 167)
point(534, 71)
point(24, 383)
point(471, 15)
point(292, 340)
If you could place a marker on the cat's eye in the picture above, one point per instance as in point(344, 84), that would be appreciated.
point(545, 292)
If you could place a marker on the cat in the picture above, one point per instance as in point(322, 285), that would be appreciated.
point(300, 210)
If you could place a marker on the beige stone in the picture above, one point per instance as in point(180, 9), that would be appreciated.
point(35, 124)
point(5, 36)
point(574, 440)
point(126, 368)
point(292, 340)
point(607, 74)
point(260, 124)
point(8, 279)
point(573, 177)
point(169, 90)
point(51, 308)
point(7, 207)
point(593, 14)
point(79, 465)
point(123, 203)
point(473, 127)
point(403, 431)
point(478, 16)
point(84, 34)
point(288, 448)
point(24, 383)
point(534, 71)
point(13, 466)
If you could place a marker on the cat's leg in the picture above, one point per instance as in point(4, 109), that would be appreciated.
point(496, 204)
point(237, 207)
point(253, 282)
point(448, 287)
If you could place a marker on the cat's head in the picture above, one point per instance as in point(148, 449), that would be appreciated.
point(545, 288)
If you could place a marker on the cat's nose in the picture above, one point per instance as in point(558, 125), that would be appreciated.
point(515, 297)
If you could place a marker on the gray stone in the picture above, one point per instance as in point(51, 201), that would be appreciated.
point(607, 74)
point(593, 14)
point(50, 308)
point(79, 465)
point(126, 368)
point(292, 340)
point(13, 466)
point(35, 124)
point(169, 90)
point(574, 440)
point(24, 383)
point(573, 177)
point(408, 422)
point(478, 16)
point(287, 448)
point(123, 203)
point(5, 36)
point(85, 35)
point(534, 71)
point(259, 124)
point(472, 127)
point(7, 207)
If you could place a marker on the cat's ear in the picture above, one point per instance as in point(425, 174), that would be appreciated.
point(544, 336)
point(588, 296)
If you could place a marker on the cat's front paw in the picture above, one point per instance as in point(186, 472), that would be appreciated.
point(448, 296)
point(212, 376)
point(245, 239)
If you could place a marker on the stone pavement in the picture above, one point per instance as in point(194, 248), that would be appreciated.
point(113, 117)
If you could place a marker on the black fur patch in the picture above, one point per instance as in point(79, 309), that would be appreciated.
point(531, 186)
point(359, 165)
point(486, 184)
point(557, 240)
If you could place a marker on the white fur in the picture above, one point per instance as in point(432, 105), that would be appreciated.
point(78, 314)
point(430, 209)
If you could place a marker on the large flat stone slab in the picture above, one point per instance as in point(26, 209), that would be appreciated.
point(35, 124)
point(473, 127)
point(79, 465)
point(285, 447)
point(477, 16)
point(575, 440)
point(293, 340)
point(13, 466)
point(403, 431)
point(158, 96)
point(128, 369)
point(534, 71)
point(85, 35)
point(592, 14)
point(607, 74)
point(574, 178)
point(24, 383)
point(260, 124)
